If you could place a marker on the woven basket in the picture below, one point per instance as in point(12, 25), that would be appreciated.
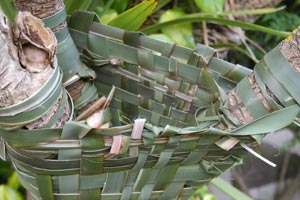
point(179, 92)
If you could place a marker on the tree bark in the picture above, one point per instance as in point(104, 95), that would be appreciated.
point(43, 9)
point(20, 74)
point(27, 54)
point(40, 8)
point(291, 51)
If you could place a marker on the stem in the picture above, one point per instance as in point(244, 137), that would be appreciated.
point(283, 172)
point(291, 52)
point(204, 31)
point(40, 8)
point(46, 8)
point(208, 18)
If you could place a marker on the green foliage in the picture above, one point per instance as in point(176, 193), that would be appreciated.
point(162, 3)
point(101, 7)
point(5, 171)
point(203, 194)
point(10, 190)
point(182, 34)
point(119, 5)
point(72, 5)
point(161, 37)
point(133, 18)
point(108, 16)
point(8, 193)
point(13, 181)
point(282, 20)
point(228, 189)
point(208, 18)
point(209, 6)
point(10, 187)
point(9, 9)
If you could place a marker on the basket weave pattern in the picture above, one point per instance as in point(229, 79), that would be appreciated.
point(177, 151)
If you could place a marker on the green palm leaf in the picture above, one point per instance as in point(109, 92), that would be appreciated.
point(133, 18)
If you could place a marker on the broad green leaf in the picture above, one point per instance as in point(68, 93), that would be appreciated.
point(210, 6)
point(161, 37)
point(208, 18)
point(5, 169)
point(108, 16)
point(162, 3)
point(72, 5)
point(209, 197)
point(133, 18)
point(182, 34)
point(120, 5)
point(7, 193)
point(13, 181)
point(8, 8)
point(270, 122)
point(228, 189)
point(204, 193)
point(260, 11)
point(94, 4)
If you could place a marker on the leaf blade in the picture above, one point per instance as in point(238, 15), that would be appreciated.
point(192, 18)
point(229, 189)
point(133, 18)
point(9, 9)
point(184, 32)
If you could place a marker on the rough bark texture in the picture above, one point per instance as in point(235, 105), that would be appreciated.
point(290, 48)
point(40, 8)
point(258, 92)
point(43, 9)
point(291, 51)
point(237, 109)
point(75, 89)
point(44, 120)
point(27, 52)
point(19, 80)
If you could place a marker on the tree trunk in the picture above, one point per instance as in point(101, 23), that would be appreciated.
point(290, 50)
point(27, 53)
point(43, 9)
point(21, 76)
point(40, 8)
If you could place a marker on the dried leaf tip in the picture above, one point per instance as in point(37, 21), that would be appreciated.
point(257, 155)
point(138, 128)
point(95, 120)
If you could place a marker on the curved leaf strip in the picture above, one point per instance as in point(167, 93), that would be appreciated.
point(219, 20)
point(270, 122)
